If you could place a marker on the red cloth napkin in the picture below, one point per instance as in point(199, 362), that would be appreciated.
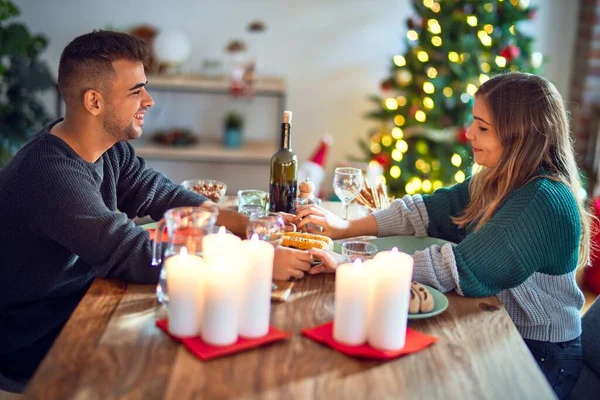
point(415, 341)
point(208, 352)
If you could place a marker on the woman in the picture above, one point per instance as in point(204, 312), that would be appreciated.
point(521, 231)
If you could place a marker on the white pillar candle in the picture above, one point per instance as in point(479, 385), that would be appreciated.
point(389, 297)
point(256, 277)
point(221, 304)
point(184, 286)
point(350, 305)
point(221, 245)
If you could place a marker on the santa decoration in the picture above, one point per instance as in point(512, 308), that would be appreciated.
point(313, 168)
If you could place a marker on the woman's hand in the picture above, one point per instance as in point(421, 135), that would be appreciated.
point(290, 263)
point(290, 221)
point(330, 261)
point(332, 225)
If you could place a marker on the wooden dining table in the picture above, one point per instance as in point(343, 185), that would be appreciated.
point(111, 348)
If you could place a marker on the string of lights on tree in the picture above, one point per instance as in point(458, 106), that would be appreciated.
point(453, 46)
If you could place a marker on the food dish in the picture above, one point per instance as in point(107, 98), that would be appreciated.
point(305, 241)
point(440, 304)
point(209, 188)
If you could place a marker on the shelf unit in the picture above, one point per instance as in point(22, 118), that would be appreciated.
point(263, 87)
point(250, 152)
point(243, 168)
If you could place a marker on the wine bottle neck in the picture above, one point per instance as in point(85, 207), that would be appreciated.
point(286, 139)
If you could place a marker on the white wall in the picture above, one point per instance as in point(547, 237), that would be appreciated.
point(332, 53)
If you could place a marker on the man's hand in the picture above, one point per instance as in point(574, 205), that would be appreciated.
point(290, 263)
point(290, 221)
point(230, 219)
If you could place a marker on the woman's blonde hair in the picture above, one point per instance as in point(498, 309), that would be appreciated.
point(530, 119)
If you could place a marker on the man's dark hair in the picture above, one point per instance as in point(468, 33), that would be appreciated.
point(86, 62)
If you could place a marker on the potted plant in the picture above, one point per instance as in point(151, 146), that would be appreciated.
point(22, 77)
point(234, 124)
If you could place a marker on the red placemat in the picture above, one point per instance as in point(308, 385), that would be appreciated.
point(415, 341)
point(207, 352)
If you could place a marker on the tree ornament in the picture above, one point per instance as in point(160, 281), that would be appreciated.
point(384, 159)
point(461, 135)
point(386, 85)
point(510, 52)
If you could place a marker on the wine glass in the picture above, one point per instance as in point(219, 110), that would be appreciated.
point(347, 183)
point(268, 226)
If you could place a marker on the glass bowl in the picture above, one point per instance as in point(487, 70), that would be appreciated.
point(209, 188)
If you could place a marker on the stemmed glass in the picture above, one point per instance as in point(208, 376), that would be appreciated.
point(347, 183)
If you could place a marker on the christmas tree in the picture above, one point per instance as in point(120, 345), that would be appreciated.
point(452, 47)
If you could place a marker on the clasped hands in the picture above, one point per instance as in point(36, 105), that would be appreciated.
point(295, 263)
point(292, 263)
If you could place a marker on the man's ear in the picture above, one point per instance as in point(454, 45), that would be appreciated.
point(93, 102)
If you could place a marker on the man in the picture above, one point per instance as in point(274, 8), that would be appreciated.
point(59, 195)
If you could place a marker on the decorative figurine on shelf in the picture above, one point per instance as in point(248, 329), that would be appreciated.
point(147, 33)
point(240, 85)
point(172, 48)
point(256, 30)
point(175, 137)
point(233, 135)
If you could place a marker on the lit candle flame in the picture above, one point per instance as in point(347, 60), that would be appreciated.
point(395, 250)
point(357, 264)
point(254, 238)
point(222, 230)
point(183, 253)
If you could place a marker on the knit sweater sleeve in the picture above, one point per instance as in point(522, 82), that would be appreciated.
point(444, 204)
point(406, 216)
point(143, 191)
point(65, 206)
point(531, 233)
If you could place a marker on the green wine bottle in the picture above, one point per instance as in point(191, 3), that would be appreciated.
point(284, 171)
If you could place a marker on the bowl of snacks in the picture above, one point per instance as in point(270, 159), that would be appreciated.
point(209, 188)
